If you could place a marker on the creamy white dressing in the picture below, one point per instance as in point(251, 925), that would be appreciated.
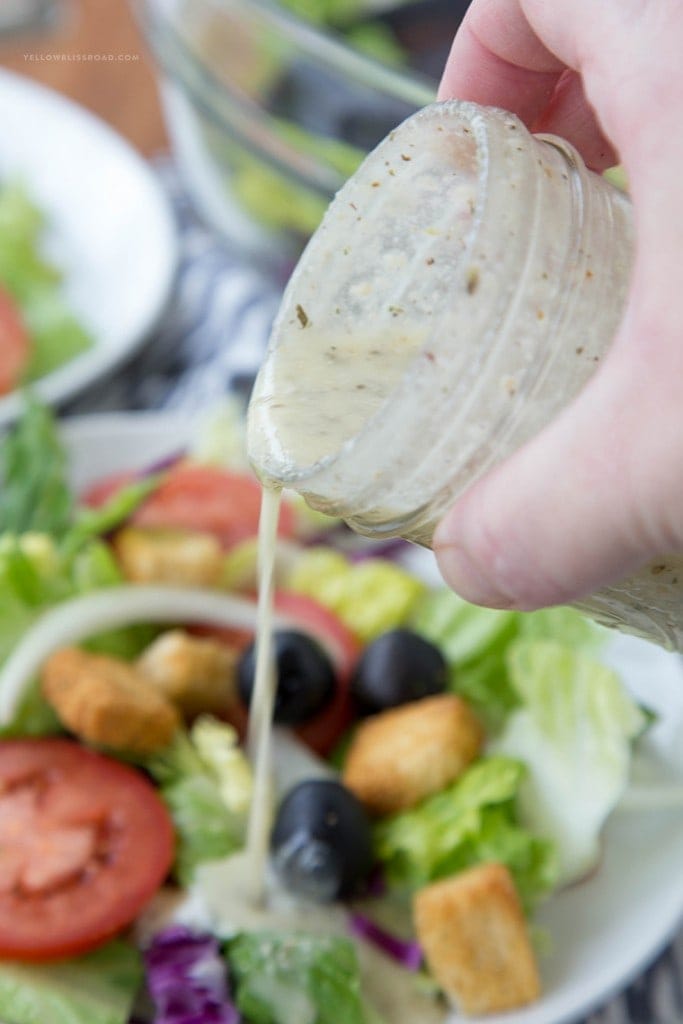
point(262, 703)
point(218, 902)
point(326, 386)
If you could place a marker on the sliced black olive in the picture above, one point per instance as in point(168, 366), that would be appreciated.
point(305, 677)
point(398, 667)
point(322, 841)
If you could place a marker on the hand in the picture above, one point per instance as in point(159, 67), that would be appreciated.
point(599, 492)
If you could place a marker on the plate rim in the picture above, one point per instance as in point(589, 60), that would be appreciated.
point(99, 362)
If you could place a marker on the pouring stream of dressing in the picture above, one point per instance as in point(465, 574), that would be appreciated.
point(263, 700)
point(391, 989)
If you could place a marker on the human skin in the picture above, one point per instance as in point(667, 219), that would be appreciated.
point(599, 492)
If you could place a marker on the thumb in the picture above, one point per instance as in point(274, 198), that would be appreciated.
point(584, 503)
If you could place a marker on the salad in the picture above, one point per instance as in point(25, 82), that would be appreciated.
point(38, 333)
point(440, 769)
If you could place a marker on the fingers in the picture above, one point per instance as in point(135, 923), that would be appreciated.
point(569, 115)
point(498, 60)
point(581, 505)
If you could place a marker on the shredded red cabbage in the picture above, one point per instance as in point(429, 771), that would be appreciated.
point(406, 953)
point(376, 884)
point(161, 465)
point(355, 547)
point(187, 979)
point(390, 550)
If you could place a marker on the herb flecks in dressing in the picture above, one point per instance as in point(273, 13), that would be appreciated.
point(327, 386)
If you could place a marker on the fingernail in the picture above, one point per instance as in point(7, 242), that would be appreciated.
point(463, 574)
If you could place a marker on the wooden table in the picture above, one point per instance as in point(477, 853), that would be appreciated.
point(122, 90)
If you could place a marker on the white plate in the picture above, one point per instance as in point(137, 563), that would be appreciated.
point(110, 228)
point(604, 930)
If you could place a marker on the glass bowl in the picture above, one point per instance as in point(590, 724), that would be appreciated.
point(269, 111)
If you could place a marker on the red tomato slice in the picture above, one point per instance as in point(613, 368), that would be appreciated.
point(323, 731)
point(312, 617)
point(15, 345)
point(202, 498)
point(85, 841)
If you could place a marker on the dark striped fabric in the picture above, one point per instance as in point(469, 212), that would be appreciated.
point(210, 339)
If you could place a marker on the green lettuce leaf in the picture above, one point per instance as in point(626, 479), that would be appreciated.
point(49, 551)
point(473, 821)
point(563, 626)
point(34, 493)
point(475, 642)
point(56, 334)
point(35, 284)
point(98, 988)
point(22, 268)
point(32, 717)
point(574, 730)
point(205, 829)
point(370, 597)
point(30, 580)
point(205, 782)
point(91, 523)
point(296, 978)
point(326, 11)
point(34, 575)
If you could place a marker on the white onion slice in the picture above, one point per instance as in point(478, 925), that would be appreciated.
point(74, 621)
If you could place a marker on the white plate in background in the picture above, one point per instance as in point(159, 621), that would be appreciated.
point(110, 229)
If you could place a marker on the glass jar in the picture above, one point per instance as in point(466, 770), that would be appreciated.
point(462, 288)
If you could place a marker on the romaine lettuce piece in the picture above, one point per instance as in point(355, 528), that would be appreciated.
point(471, 822)
point(564, 626)
point(218, 747)
point(35, 285)
point(22, 268)
point(56, 334)
point(369, 597)
point(27, 585)
point(574, 731)
point(206, 782)
point(463, 631)
point(475, 643)
point(33, 716)
point(98, 988)
point(296, 978)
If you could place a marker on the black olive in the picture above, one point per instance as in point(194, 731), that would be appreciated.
point(305, 677)
point(396, 668)
point(321, 841)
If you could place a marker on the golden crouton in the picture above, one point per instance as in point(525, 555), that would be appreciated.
point(179, 557)
point(475, 941)
point(108, 702)
point(403, 755)
point(195, 674)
